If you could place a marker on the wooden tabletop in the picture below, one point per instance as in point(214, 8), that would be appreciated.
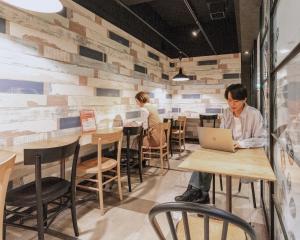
point(4, 155)
point(85, 139)
point(250, 163)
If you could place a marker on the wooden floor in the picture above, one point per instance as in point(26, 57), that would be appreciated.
point(128, 220)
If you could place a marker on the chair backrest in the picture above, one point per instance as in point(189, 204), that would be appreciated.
point(51, 154)
point(181, 122)
point(109, 138)
point(207, 212)
point(41, 156)
point(7, 161)
point(167, 130)
point(171, 122)
point(208, 118)
point(133, 131)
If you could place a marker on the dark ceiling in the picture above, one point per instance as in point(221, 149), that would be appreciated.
point(173, 20)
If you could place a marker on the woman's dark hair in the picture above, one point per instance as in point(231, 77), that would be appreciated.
point(238, 91)
point(142, 97)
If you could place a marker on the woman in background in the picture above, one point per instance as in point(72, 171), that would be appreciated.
point(150, 119)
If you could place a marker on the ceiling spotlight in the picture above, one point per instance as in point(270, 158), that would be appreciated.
point(45, 6)
point(246, 52)
point(195, 32)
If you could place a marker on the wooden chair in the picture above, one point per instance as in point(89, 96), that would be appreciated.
point(200, 221)
point(7, 161)
point(212, 118)
point(170, 137)
point(252, 190)
point(178, 133)
point(161, 151)
point(98, 166)
point(46, 195)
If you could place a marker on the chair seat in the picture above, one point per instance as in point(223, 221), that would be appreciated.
point(196, 225)
point(91, 166)
point(52, 188)
point(154, 148)
point(177, 131)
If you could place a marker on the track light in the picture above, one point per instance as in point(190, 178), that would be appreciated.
point(195, 32)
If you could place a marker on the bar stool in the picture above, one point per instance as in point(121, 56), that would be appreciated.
point(252, 190)
point(131, 153)
point(213, 118)
point(7, 161)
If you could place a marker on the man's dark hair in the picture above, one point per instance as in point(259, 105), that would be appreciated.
point(238, 92)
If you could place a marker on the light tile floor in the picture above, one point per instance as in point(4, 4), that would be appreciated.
point(128, 220)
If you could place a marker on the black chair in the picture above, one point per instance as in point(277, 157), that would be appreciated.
point(252, 190)
point(170, 138)
point(44, 192)
point(133, 156)
point(203, 222)
point(212, 118)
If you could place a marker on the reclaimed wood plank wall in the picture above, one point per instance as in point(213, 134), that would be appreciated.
point(54, 65)
point(209, 76)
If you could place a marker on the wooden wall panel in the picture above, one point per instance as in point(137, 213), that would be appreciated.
point(45, 49)
point(213, 75)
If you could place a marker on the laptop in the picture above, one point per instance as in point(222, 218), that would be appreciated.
point(216, 138)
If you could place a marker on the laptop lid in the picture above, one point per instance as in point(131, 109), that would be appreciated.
point(216, 138)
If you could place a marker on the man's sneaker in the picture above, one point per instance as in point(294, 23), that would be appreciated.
point(190, 195)
point(204, 199)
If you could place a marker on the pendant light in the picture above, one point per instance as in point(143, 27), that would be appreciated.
point(180, 76)
point(44, 6)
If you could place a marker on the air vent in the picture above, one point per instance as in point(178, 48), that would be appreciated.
point(216, 9)
point(217, 15)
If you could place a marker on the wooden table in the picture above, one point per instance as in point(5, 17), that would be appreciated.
point(250, 163)
point(85, 139)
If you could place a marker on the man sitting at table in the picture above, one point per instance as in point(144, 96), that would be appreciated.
point(247, 129)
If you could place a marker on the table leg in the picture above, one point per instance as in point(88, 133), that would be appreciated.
point(228, 194)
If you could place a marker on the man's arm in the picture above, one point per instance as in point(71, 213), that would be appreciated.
point(258, 138)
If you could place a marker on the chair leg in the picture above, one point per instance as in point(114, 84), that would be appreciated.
point(73, 213)
point(128, 171)
point(119, 182)
point(100, 192)
point(221, 182)
point(161, 161)
point(214, 189)
point(183, 143)
point(40, 220)
point(4, 224)
point(170, 146)
point(240, 185)
point(140, 167)
point(167, 158)
point(179, 147)
point(45, 210)
point(253, 195)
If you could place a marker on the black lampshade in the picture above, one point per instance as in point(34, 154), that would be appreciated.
point(180, 76)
